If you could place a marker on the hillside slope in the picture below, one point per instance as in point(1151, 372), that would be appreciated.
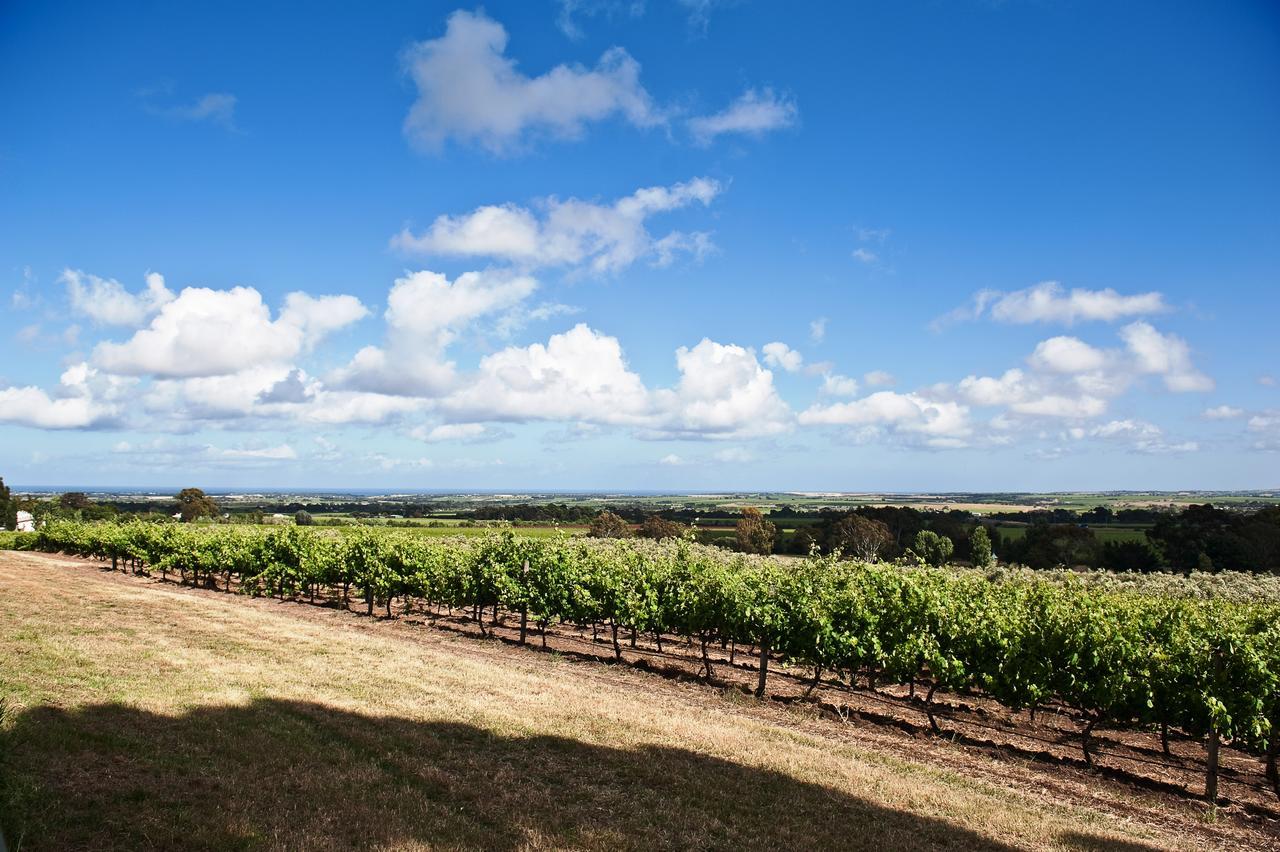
point(143, 715)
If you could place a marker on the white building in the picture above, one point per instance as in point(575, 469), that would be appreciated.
point(26, 522)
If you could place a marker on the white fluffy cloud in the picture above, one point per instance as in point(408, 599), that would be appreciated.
point(428, 305)
point(778, 354)
point(914, 416)
point(1140, 437)
point(1265, 428)
point(459, 432)
point(1166, 355)
point(578, 375)
point(1013, 386)
point(879, 379)
point(723, 392)
point(834, 384)
point(754, 113)
point(1070, 379)
point(602, 237)
point(582, 375)
point(107, 302)
point(320, 316)
point(1059, 405)
point(470, 91)
point(74, 406)
point(1067, 355)
point(207, 332)
point(1031, 395)
point(280, 452)
point(425, 312)
point(1048, 302)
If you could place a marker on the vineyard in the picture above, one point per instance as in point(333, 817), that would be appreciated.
point(1204, 663)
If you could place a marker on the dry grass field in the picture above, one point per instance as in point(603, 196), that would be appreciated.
point(141, 715)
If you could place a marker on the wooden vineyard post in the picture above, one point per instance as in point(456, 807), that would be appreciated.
point(1211, 768)
point(1211, 746)
point(524, 607)
point(764, 667)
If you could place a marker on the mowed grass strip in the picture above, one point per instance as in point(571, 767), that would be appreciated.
point(147, 716)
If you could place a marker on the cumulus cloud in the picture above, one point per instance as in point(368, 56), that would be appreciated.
point(73, 406)
point(879, 379)
point(471, 433)
point(280, 452)
point(604, 238)
point(1067, 355)
point(1072, 380)
point(206, 332)
point(834, 384)
point(425, 312)
point(343, 407)
point(1141, 437)
point(266, 393)
point(1266, 429)
point(318, 317)
point(1059, 405)
point(294, 387)
point(781, 355)
point(754, 113)
point(723, 392)
point(580, 374)
point(469, 90)
point(1013, 386)
point(913, 416)
point(1166, 355)
point(107, 302)
point(1048, 302)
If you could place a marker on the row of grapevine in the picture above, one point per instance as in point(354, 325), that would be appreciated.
point(1117, 657)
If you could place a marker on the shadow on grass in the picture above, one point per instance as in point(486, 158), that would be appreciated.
point(296, 775)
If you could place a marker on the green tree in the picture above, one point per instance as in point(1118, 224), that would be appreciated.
point(303, 518)
point(8, 507)
point(980, 553)
point(862, 538)
point(609, 525)
point(753, 533)
point(659, 528)
point(933, 548)
point(75, 500)
point(194, 503)
point(1049, 545)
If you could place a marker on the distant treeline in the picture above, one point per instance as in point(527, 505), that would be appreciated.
point(1199, 537)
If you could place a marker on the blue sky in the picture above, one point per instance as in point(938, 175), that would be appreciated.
point(641, 245)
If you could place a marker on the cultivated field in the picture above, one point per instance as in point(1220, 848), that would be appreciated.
point(145, 715)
